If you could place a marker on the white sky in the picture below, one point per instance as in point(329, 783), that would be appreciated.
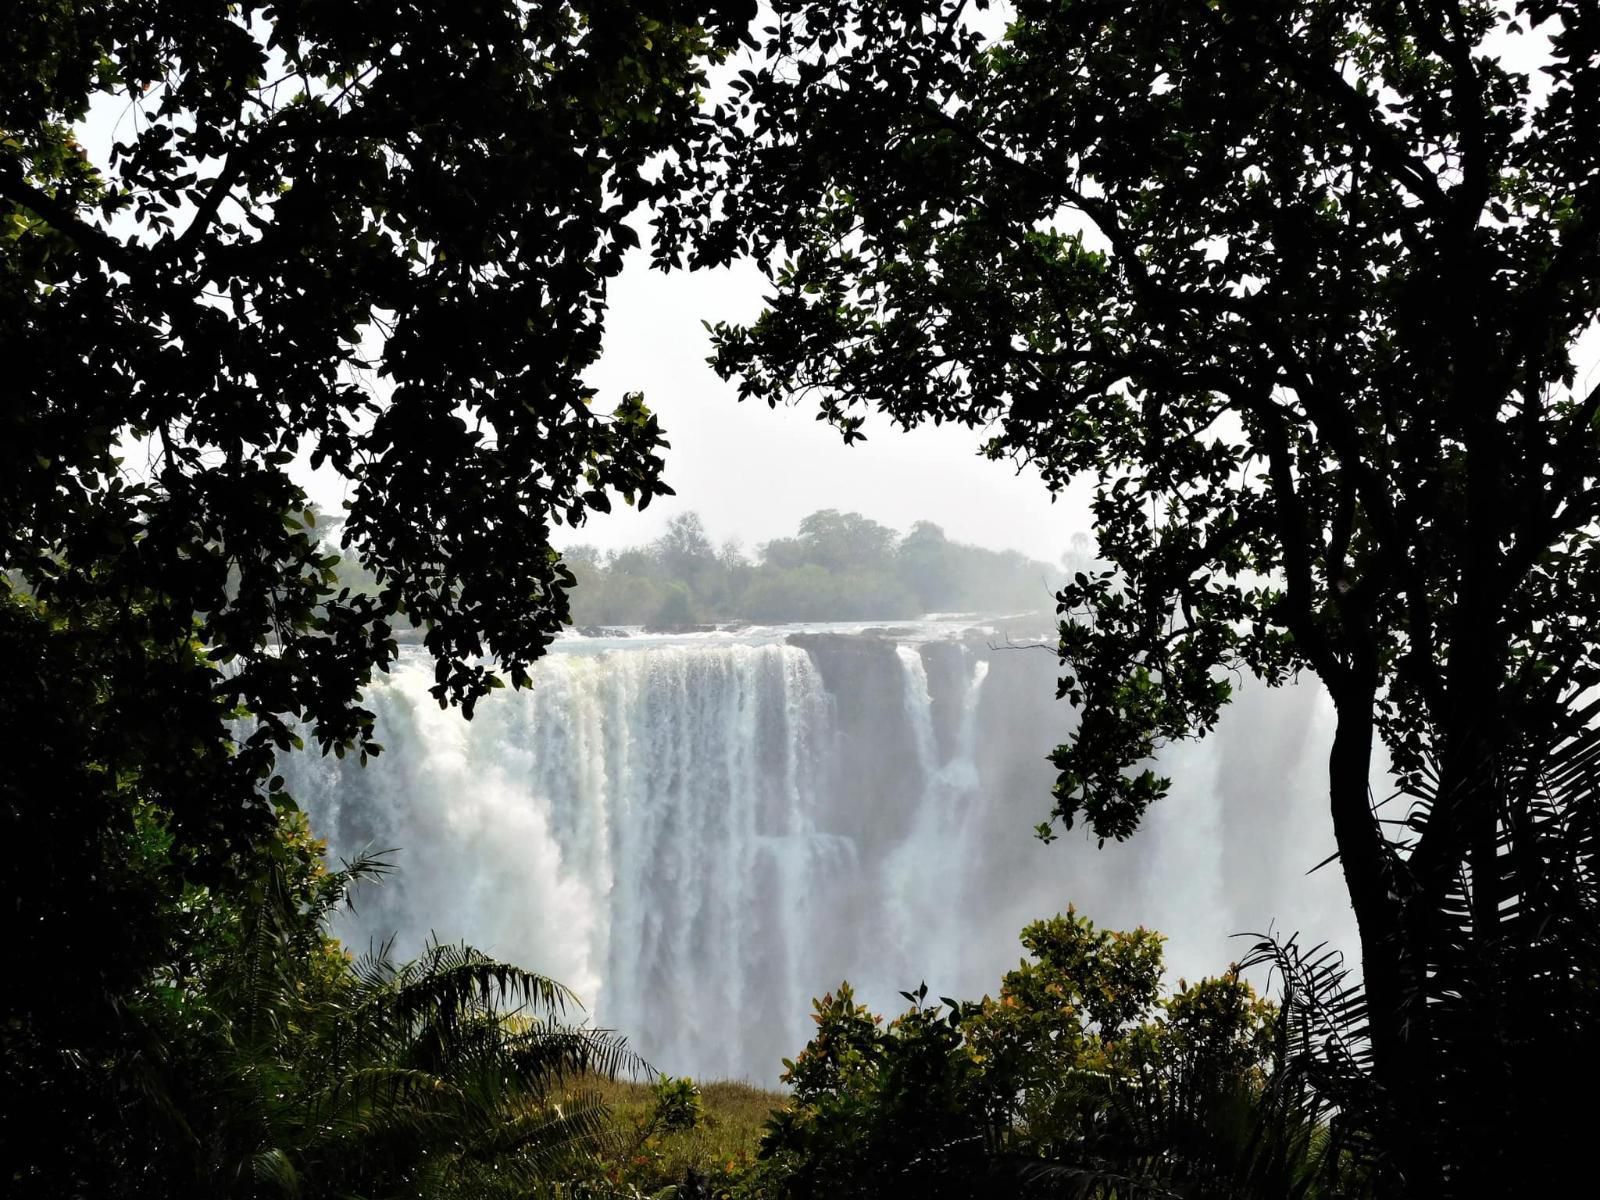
point(752, 472)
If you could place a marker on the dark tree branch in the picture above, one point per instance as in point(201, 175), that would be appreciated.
point(65, 221)
point(1443, 30)
point(1574, 462)
point(1324, 79)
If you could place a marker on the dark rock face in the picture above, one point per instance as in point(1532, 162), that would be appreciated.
point(879, 782)
point(875, 750)
point(1018, 725)
point(949, 669)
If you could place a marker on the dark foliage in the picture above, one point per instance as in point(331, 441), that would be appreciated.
point(273, 1065)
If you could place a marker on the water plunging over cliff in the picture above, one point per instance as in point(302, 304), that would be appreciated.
point(700, 834)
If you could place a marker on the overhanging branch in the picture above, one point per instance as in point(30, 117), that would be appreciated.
point(60, 217)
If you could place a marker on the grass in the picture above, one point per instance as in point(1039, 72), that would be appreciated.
point(721, 1146)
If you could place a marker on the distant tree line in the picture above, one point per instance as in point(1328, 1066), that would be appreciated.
point(838, 566)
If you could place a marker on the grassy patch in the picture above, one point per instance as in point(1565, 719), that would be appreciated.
point(719, 1148)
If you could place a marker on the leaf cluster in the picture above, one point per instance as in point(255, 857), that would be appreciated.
point(267, 1062)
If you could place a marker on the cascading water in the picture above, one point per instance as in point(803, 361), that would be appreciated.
point(699, 835)
point(936, 847)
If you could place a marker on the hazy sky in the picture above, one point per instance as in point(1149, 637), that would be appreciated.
point(752, 472)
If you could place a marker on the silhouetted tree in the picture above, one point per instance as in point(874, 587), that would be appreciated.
point(370, 238)
point(1298, 285)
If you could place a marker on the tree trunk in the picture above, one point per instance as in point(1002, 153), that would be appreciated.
point(1388, 960)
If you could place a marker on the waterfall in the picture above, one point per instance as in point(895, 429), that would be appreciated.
point(700, 835)
point(937, 846)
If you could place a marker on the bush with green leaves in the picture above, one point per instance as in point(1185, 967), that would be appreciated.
point(1079, 1078)
point(654, 1152)
point(677, 1104)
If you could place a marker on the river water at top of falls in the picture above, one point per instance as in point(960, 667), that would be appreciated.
point(700, 833)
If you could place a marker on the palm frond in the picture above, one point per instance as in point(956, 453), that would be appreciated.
point(272, 1170)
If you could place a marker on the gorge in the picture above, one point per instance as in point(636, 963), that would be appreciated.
point(700, 833)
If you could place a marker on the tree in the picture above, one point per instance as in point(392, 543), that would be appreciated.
point(925, 561)
point(844, 541)
point(684, 549)
point(368, 239)
point(1298, 285)
point(686, 554)
point(676, 608)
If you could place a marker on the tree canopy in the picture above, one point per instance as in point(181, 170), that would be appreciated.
point(1299, 285)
